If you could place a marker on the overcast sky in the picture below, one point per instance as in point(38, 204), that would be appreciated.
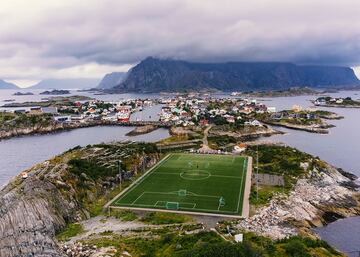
point(71, 39)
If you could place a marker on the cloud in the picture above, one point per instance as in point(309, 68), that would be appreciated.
point(42, 39)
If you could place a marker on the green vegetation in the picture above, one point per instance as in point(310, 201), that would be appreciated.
point(93, 182)
point(191, 182)
point(10, 121)
point(208, 244)
point(283, 93)
point(265, 194)
point(217, 142)
point(159, 218)
point(282, 161)
point(347, 101)
point(125, 215)
point(57, 101)
point(90, 169)
point(71, 230)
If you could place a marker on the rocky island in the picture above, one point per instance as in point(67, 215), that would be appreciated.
point(306, 120)
point(50, 101)
point(293, 91)
point(55, 207)
point(55, 92)
point(23, 93)
point(328, 101)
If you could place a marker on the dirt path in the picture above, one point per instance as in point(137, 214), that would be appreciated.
point(101, 224)
point(206, 133)
point(205, 145)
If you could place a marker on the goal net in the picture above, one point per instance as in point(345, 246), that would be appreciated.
point(172, 205)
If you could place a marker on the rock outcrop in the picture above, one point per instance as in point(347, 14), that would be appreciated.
point(31, 211)
point(316, 200)
point(35, 206)
point(157, 75)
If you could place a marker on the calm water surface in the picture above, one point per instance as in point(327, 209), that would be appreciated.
point(341, 147)
point(18, 154)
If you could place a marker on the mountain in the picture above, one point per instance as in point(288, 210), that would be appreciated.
point(111, 80)
point(66, 84)
point(7, 85)
point(155, 75)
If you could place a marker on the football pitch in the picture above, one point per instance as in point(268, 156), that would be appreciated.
point(191, 183)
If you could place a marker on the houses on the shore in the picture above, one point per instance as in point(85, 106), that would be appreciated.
point(81, 112)
point(193, 111)
point(187, 110)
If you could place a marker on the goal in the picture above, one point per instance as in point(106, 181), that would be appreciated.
point(172, 205)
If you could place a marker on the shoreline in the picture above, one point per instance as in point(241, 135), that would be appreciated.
point(61, 127)
point(318, 130)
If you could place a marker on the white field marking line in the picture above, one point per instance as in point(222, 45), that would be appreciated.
point(193, 204)
point(216, 176)
point(190, 212)
point(155, 205)
point(242, 182)
point(184, 208)
point(138, 198)
point(219, 206)
point(210, 158)
point(176, 192)
point(137, 182)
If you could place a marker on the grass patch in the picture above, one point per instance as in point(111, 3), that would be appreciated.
point(177, 244)
point(174, 139)
point(70, 231)
point(266, 193)
point(159, 218)
point(125, 215)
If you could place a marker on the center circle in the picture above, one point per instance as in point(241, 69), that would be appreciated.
point(195, 174)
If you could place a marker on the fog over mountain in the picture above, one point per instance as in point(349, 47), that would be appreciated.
point(66, 84)
point(111, 80)
point(7, 85)
point(87, 39)
point(156, 75)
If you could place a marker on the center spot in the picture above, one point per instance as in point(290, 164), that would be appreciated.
point(195, 174)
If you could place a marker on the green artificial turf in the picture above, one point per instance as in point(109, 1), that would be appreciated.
point(191, 182)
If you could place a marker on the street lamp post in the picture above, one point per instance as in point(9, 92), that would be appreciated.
point(143, 160)
point(120, 173)
point(257, 172)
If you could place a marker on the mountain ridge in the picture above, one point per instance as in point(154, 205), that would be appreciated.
point(111, 80)
point(156, 75)
point(77, 83)
point(7, 85)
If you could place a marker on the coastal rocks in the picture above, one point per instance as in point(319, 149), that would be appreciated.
point(34, 208)
point(30, 214)
point(78, 250)
point(315, 201)
point(83, 250)
point(316, 128)
point(247, 133)
point(180, 131)
point(142, 130)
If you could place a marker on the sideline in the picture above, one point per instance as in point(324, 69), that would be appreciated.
point(135, 183)
point(247, 190)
